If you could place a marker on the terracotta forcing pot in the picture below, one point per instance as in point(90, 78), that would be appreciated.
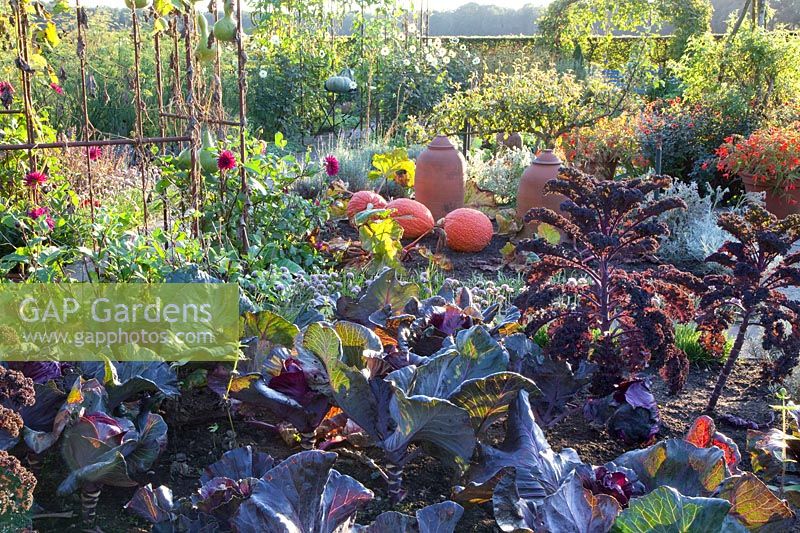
point(531, 186)
point(441, 177)
point(779, 203)
point(509, 140)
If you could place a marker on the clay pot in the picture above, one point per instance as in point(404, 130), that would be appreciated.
point(441, 177)
point(779, 203)
point(509, 140)
point(531, 185)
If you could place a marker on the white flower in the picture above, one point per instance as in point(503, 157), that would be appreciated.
point(446, 60)
point(451, 53)
point(322, 54)
point(441, 52)
point(353, 86)
point(453, 40)
point(385, 51)
point(406, 62)
point(476, 60)
point(412, 49)
point(463, 46)
point(467, 54)
point(437, 42)
point(263, 73)
point(275, 40)
point(430, 58)
point(264, 49)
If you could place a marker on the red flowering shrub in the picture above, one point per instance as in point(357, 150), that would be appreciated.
point(687, 132)
point(770, 155)
point(600, 149)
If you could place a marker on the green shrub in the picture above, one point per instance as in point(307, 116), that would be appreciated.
point(687, 338)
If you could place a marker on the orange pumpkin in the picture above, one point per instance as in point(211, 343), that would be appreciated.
point(415, 219)
point(468, 230)
point(363, 200)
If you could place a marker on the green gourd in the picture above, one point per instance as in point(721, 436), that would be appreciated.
point(204, 52)
point(225, 28)
point(339, 85)
point(208, 161)
point(138, 4)
point(184, 160)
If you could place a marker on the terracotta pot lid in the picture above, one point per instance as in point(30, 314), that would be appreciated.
point(547, 157)
point(441, 142)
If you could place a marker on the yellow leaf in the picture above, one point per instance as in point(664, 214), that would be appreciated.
point(162, 7)
point(241, 383)
point(480, 199)
point(52, 75)
point(37, 61)
point(51, 35)
point(507, 222)
point(548, 233)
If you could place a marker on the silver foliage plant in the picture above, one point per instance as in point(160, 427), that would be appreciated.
point(499, 173)
point(694, 233)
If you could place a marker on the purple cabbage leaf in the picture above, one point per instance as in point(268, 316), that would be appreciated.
point(303, 493)
point(125, 380)
point(540, 471)
point(104, 450)
point(629, 414)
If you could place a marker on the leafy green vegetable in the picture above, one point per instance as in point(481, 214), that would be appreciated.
point(665, 510)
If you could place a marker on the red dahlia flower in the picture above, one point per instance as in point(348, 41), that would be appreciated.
point(34, 179)
point(331, 165)
point(226, 160)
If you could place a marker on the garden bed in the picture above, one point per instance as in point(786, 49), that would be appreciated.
point(199, 435)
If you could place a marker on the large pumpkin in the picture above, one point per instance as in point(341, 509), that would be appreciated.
point(468, 230)
point(363, 200)
point(415, 219)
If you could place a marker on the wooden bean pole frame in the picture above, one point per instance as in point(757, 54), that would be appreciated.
point(183, 107)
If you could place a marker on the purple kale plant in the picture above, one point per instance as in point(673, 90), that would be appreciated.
point(591, 306)
point(761, 264)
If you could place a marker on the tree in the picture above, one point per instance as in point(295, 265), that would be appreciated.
point(570, 24)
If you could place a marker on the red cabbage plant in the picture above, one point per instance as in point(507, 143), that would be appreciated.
point(761, 264)
point(619, 320)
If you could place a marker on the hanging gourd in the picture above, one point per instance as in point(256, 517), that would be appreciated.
point(341, 84)
point(204, 52)
point(184, 160)
point(225, 28)
point(208, 160)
